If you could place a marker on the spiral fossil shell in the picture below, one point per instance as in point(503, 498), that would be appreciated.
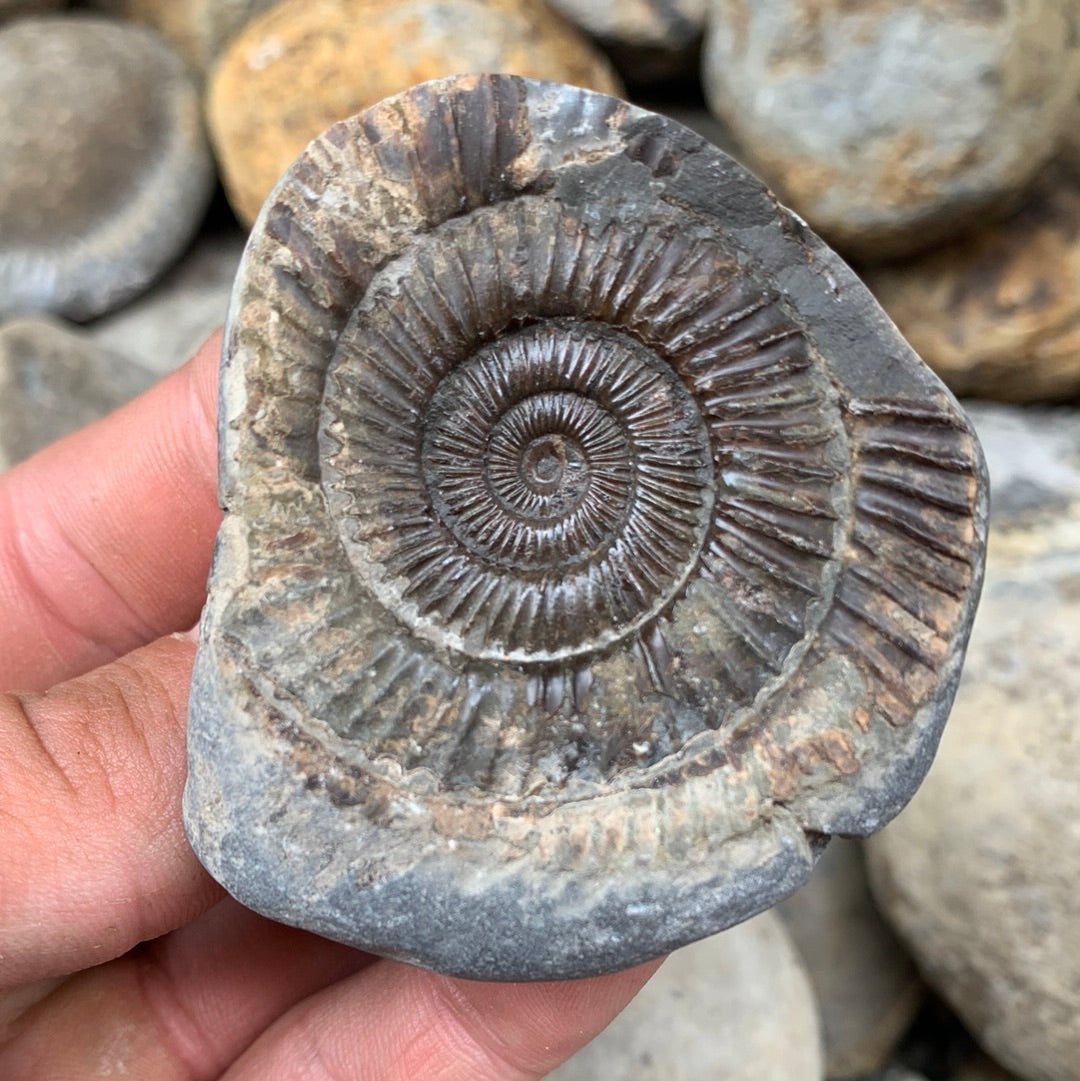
point(594, 546)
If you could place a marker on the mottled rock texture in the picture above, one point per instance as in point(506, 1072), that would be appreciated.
point(737, 1006)
point(307, 63)
point(889, 126)
point(53, 379)
point(867, 987)
point(105, 172)
point(198, 29)
point(980, 873)
point(594, 547)
point(996, 313)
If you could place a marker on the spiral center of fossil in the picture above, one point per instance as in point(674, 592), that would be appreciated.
point(561, 495)
point(544, 461)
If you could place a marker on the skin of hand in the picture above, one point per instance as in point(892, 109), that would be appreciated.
point(119, 956)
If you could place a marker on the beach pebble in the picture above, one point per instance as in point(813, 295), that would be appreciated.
point(105, 172)
point(305, 64)
point(979, 874)
point(165, 326)
point(737, 1006)
point(889, 126)
point(662, 24)
point(997, 313)
point(867, 987)
point(53, 380)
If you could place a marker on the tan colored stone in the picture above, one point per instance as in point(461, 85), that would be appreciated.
point(305, 64)
point(1071, 148)
point(997, 314)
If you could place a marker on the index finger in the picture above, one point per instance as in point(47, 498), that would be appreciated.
point(106, 536)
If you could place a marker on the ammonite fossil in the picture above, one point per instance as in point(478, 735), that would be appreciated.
point(594, 549)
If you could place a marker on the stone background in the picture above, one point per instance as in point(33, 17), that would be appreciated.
point(937, 145)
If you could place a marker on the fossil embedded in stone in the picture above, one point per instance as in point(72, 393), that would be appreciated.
point(594, 546)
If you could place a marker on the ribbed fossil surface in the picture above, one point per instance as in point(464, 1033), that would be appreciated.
point(594, 546)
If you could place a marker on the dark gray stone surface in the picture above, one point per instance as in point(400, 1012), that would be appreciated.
point(105, 173)
point(593, 544)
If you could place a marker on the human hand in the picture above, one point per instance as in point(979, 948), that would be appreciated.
point(105, 543)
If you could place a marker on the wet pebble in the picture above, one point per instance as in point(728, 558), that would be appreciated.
point(305, 64)
point(889, 126)
point(736, 1006)
point(105, 173)
point(979, 874)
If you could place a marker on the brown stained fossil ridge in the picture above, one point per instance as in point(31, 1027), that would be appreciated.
point(594, 547)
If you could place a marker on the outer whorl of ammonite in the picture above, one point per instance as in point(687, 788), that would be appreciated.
point(594, 547)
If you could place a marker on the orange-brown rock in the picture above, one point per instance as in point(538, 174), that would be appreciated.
point(305, 64)
point(997, 314)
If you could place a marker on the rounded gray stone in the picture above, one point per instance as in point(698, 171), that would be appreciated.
point(163, 327)
point(891, 126)
point(867, 986)
point(53, 380)
point(737, 1006)
point(710, 607)
point(979, 874)
point(105, 174)
point(662, 24)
